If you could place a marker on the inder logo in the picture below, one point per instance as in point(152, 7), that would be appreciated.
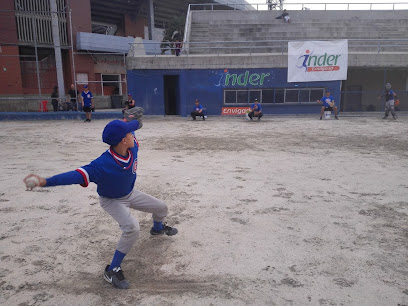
point(325, 62)
point(227, 79)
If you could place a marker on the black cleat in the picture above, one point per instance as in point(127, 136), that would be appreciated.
point(337, 118)
point(169, 231)
point(116, 278)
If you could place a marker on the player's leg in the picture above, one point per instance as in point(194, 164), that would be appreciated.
point(87, 113)
point(119, 210)
point(322, 112)
point(392, 109)
point(387, 104)
point(193, 115)
point(147, 203)
point(335, 112)
point(260, 116)
point(251, 115)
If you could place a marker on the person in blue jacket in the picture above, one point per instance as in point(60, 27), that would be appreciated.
point(328, 105)
point(256, 110)
point(197, 110)
point(114, 173)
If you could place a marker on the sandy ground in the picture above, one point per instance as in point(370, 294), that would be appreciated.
point(286, 211)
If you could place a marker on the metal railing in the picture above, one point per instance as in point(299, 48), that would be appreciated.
point(280, 46)
point(187, 29)
point(304, 6)
point(34, 22)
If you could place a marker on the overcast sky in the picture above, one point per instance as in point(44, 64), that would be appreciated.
point(337, 4)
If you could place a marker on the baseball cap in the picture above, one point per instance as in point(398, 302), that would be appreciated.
point(116, 130)
point(129, 94)
point(85, 86)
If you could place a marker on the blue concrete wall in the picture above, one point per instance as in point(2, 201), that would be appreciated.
point(147, 88)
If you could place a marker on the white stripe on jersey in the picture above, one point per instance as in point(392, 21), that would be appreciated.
point(85, 175)
point(119, 158)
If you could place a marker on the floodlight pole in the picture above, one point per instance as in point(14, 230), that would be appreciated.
point(36, 60)
point(57, 48)
point(150, 18)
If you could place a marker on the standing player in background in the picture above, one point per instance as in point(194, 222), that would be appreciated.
point(328, 105)
point(256, 110)
point(114, 172)
point(74, 96)
point(87, 103)
point(389, 95)
point(197, 110)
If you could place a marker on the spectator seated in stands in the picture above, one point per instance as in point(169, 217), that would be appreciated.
point(285, 17)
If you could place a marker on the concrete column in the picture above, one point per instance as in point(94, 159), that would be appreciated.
point(57, 49)
point(150, 14)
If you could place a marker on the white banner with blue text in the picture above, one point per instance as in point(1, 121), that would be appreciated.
point(310, 61)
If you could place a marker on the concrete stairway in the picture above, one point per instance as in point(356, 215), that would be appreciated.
point(234, 32)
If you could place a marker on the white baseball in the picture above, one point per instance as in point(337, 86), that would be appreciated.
point(32, 182)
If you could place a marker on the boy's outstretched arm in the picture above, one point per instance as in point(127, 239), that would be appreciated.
point(68, 178)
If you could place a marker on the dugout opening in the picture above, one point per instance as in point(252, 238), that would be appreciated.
point(171, 95)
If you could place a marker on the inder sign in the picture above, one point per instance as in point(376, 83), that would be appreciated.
point(310, 61)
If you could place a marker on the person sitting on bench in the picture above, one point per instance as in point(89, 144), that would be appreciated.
point(197, 110)
point(256, 110)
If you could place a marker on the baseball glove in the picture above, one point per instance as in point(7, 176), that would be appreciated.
point(135, 113)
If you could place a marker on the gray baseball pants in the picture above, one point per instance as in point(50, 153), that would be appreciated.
point(119, 209)
point(389, 106)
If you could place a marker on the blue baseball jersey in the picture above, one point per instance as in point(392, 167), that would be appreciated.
point(327, 100)
point(114, 174)
point(256, 108)
point(197, 108)
point(87, 98)
point(389, 95)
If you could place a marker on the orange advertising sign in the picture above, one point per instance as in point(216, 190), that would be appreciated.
point(234, 110)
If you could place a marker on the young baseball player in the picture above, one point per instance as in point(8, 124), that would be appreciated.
point(197, 110)
point(390, 97)
point(87, 103)
point(328, 105)
point(256, 110)
point(114, 172)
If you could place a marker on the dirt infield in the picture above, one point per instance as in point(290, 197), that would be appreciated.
point(286, 211)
